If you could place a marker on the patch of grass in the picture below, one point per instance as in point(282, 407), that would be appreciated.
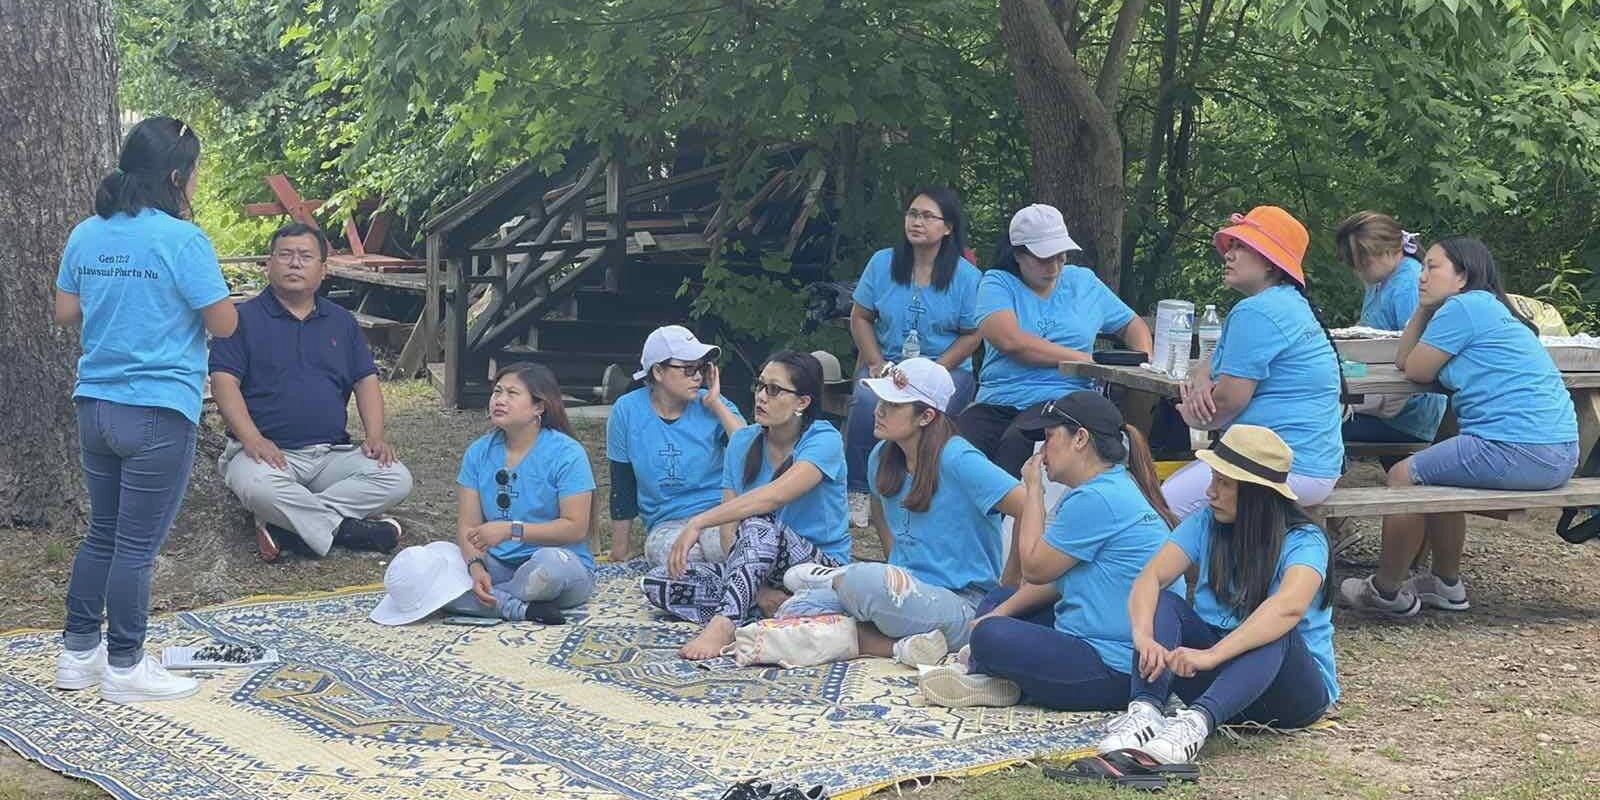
point(1352, 783)
point(1391, 752)
point(54, 553)
point(410, 395)
point(1547, 776)
point(1031, 784)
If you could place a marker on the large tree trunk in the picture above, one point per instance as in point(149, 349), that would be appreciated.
point(59, 127)
point(1071, 121)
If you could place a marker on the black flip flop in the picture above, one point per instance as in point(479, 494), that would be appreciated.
point(1582, 532)
point(1101, 770)
point(1130, 760)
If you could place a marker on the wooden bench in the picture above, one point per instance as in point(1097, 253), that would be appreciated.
point(381, 331)
point(1502, 504)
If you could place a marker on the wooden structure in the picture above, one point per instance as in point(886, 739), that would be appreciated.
point(574, 269)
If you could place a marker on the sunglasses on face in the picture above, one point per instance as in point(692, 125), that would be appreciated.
point(773, 389)
point(502, 496)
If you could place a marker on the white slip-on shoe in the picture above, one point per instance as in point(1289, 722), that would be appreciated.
point(954, 688)
point(143, 682)
point(922, 649)
point(80, 669)
point(1435, 593)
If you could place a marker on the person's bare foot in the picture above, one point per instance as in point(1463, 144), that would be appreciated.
point(717, 634)
point(769, 599)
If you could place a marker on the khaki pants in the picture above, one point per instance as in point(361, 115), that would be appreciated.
point(324, 485)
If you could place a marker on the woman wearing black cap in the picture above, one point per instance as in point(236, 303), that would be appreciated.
point(1080, 655)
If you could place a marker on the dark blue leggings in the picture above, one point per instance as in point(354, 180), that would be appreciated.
point(1277, 683)
point(1053, 669)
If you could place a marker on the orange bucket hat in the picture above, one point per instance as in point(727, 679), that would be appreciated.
point(1273, 233)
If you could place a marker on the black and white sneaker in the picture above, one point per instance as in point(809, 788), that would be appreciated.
point(1180, 741)
point(1132, 730)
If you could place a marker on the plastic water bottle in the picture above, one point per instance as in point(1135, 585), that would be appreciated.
point(1179, 339)
point(913, 345)
point(1210, 330)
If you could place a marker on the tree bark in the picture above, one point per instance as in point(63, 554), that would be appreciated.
point(1072, 127)
point(59, 125)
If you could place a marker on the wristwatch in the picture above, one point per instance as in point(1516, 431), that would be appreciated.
point(516, 531)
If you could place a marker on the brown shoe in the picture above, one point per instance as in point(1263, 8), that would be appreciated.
point(266, 546)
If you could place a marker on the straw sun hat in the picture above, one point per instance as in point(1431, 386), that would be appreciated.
point(1252, 454)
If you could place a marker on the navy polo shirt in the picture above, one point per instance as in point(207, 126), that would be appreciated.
point(296, 375)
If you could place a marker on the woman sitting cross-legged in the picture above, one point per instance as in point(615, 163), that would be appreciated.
point(1518, 427)
point(1108, 525)
point(1257, 644)
point(938, 502)
point(523, 505)
point(666, 442)
point(783, 485)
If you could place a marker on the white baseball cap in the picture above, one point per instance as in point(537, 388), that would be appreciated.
point(673, 341)
point(421, 580)
point(1041, 229)
point(915, 380)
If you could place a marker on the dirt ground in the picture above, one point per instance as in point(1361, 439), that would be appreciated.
point(1502, 701)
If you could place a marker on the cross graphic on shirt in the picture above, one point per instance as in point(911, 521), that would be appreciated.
point(670, 454)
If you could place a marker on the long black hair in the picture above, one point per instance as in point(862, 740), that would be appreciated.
point(1472, 259)
point(950, 249)
point(152, 171)
point(1244, 553)
point(806, 372)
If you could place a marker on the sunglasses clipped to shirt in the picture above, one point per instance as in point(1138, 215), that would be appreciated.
point(502, 495)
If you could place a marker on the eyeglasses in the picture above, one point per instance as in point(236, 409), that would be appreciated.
point(773, 389)
point(502, 497)
point(288, 257)
point(918, 215)
point(691, 370)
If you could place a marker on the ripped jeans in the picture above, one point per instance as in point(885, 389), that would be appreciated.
point(551, 574)
point(899, 605)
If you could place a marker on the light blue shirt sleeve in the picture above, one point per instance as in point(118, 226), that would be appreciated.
point(1114, 314)
point(1190, 535)
point(1305, 546)
point(617, 434)
point(984, 483)
point(471, 464)
point(823, 451)
point(1451, 327)
point(1250, 342)
point(1075, 531)
point(1402, 299)
point(66, 277)
point(994, 295)
point(870, 287)
point(728, 404)
point(966, 287)
point(198, 274)
point(573, 474)
point(733, 459)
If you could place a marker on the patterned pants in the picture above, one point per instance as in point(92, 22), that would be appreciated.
point(762, 551)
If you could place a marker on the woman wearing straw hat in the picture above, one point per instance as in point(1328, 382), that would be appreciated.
point(938, 504)
point(916, 299)
point(1257, 644)
point(1275, 365)
point(1518, 427)
point(1036, 313)
point(1078, 656)
point(666, 441)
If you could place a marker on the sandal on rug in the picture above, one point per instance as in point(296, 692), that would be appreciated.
point(748, 790)
point(1109, 769)
point(796, 793)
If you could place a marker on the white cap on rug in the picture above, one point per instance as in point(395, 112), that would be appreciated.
point(1041, 229)
point(673, 341)
point(915, 380)
point(421, 580)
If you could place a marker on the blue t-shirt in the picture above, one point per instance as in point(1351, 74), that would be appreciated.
point(1079, 308)
point(1388, 305)
point(938, 316)
point(1303, 546)
point(818, 515)
point(555, 468)
point(677, 464)
point(296, 375)
point(1507, 389)
point(1272, 338)
point(141, 281)
point(955, 544)
point(1111, 529)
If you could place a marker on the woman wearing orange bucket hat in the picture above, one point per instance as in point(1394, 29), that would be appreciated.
point(1275, 365)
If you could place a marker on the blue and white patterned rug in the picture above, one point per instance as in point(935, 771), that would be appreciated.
point(599, 708)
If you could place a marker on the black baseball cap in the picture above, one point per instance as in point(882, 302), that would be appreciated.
point(1083, 409)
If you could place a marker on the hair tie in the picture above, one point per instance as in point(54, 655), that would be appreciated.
point(1410, 243)
point(1127, 448)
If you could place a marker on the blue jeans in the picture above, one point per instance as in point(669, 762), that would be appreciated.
point(1368, 428)
point(136, 462)
point(1473, 463)
point(1053, 669)
point(858, 438)
point(550, 575)
point(899, 605)
point(1277, 683)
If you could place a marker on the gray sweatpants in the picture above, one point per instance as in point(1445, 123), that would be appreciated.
point(323, 486)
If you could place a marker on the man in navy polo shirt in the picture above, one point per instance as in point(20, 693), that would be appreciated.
point(282, 382)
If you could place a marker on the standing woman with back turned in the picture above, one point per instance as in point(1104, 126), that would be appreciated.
point(146, 287)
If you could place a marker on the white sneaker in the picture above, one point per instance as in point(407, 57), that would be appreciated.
point(1134, 728)
point(922, 649)
point(801, 577)
point(80, 669)
point(1180, 741)
point(860, 509)
point(143, 682)
point(1362, 594)
point(1435, 594)
point(954, 688)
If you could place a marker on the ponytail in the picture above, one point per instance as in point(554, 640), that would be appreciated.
point(153, 170)
point(1142, 466)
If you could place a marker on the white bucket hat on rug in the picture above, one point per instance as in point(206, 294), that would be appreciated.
point(421, 580)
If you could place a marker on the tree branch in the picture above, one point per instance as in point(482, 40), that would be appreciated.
point(1038, 47)
point(1110, 82)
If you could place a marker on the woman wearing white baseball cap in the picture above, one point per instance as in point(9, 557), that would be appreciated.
point(1036, 313)
point(665, 441)
point(938, 503)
